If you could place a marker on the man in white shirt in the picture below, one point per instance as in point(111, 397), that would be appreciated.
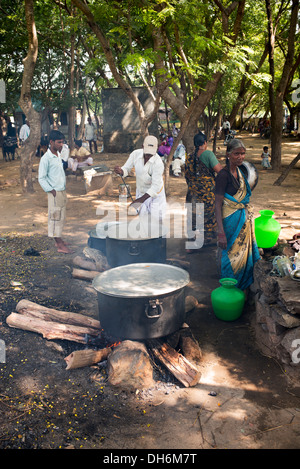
point(52, 179)
point(24, 131)
point(149, 169)
point(226, 127)
point(90, 135)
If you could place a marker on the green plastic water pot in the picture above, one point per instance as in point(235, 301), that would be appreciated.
point(228, 300)
point(266, 229)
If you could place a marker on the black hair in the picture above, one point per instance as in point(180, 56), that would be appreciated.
point(78, 143)
point(56, 135)
point(199, 140)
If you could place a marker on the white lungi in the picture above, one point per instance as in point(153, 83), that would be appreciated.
point(56, 213)
point(73, 164)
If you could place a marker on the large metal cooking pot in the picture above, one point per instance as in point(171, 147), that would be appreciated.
point(97, 242)
point(97, 237)
point(250, 172)
point(141, 301)
point(136, 242)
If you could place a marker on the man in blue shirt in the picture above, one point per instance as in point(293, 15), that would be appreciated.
point(52, 179)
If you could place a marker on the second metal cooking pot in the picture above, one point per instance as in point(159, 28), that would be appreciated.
point(97, 237)
point(131, 243)
point(97, 242)
point(141, 301)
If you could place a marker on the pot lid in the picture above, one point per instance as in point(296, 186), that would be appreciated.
point(139, 228)
point(141, 280)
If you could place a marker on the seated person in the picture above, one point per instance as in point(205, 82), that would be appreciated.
point(178, 159)
point(164, 148)
point(65, 152)
point(79, 157)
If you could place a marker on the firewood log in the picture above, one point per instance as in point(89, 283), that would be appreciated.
point(189, 345)
point(28, 308)
point(186, 372)
point(178, 263)
point(50, 330)
point(84, 274)
point(190, 303)
point(84, 263)
point(88, 357)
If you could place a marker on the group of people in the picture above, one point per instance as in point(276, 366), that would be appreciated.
point(223, 190)
point(165, 147)
point(225, 195)
point(264, 127)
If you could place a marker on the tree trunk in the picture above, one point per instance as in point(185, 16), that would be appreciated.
point(28, 150)
point(72, 110)
point(286, 171)
point(80, 133)
point(244, 87)
point(188, 125)
point(217, 126)
point(183, 127)
point(276, 96)
point(205, 95)
point(143, 119)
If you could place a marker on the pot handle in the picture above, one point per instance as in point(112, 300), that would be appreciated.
point(154, 306)
point(134, 249)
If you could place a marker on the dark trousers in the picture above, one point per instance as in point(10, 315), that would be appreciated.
point(91, 142)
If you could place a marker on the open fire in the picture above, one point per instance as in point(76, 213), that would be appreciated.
point(178, 352)
point(157, 317)
point(132, 363)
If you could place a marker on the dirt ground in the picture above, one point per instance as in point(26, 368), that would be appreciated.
point(43, 406)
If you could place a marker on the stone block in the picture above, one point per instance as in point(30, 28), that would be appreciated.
point(289, 294)
point(262, 309)
point(267, 284)
point(275, 338)
point(284, 318)
point(291, 343)
point(274, 327)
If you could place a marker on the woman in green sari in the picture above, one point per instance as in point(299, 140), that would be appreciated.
point(238, 249)
point(200, 169)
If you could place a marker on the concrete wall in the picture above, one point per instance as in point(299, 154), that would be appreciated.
point(121, 129)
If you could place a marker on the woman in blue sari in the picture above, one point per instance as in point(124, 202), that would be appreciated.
point(238, 249)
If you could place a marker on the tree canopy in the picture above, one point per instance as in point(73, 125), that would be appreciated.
point(202, 58)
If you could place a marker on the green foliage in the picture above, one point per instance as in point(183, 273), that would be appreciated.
point(191, 29)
